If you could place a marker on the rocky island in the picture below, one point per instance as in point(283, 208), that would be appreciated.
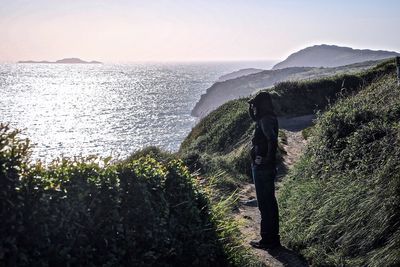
point(63, 61)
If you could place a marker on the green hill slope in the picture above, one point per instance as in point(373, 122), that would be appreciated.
point(339, 205)
point(223, 128)
point(221, 140)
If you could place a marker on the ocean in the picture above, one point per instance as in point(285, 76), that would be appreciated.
point(105, 109)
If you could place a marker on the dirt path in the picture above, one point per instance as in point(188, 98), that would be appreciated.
point(250, 214)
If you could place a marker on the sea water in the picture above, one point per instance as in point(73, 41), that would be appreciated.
point(105, 109)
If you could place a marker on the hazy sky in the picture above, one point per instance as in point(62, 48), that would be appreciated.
point(122, 30)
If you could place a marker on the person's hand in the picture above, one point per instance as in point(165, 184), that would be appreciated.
point(258, 160)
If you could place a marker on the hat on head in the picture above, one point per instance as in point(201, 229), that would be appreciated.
point(261, 97)
point(263, 103)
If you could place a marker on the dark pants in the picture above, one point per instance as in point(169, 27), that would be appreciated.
point(264, 180)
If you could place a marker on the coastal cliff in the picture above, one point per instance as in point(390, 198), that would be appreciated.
point(221, 92)
point(310, 63)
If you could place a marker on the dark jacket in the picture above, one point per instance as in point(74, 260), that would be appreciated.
point(265, 140)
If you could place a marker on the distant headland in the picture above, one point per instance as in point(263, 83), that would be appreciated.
point(63, 61)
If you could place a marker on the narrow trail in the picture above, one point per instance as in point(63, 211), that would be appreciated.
point(250, 215)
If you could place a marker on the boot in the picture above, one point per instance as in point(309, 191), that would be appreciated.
point(266, 243)
point(263, 244)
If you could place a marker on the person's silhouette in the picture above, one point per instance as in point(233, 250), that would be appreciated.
point(263, 153)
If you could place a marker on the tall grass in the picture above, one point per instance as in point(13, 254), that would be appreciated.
point(339, 206)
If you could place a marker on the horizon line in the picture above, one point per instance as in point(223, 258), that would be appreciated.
point(153, 60)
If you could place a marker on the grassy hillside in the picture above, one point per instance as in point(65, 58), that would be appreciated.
point(224, 128)
point(220, 142)
point(339, 206)
point(219, 145)
point(145, 211)
point(305, 97)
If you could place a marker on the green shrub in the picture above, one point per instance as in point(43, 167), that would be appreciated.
point(89, 212)
point(339, 206)
point(13, 161)
point(154, 152)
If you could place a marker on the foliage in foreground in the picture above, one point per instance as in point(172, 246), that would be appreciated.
point(339, 206)
point(90, 212)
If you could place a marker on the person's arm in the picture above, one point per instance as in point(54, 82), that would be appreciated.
point(269, 131)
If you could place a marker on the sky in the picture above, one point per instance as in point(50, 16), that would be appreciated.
point(190, 30)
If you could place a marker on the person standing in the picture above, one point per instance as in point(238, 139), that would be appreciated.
point(263, 153)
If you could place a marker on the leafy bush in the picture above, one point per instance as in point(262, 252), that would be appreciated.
point(89, 212)
point(153, 152)
point(339, 206)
